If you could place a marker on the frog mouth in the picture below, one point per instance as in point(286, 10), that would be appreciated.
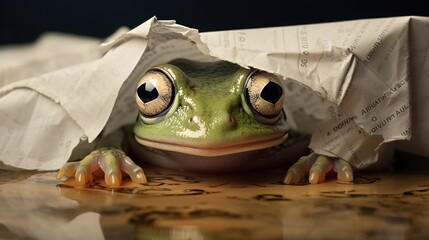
point(215, 149)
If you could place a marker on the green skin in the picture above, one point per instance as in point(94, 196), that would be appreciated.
point(208, 117)
point(211, 113)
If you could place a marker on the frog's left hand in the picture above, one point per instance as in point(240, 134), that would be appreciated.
point(108, 160)
point(316, 167)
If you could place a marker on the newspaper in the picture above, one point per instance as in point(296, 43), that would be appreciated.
point(354, 81)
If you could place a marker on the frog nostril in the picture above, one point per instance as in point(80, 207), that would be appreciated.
point(191, 119)
point(231, 120)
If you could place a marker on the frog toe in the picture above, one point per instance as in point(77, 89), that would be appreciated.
point(298, 170)
point(344, 171)
point(67, 170)
point(135, 172)
point(109, 163)
point(320, 168)
point(82, 177)
point(81, 170)
point(85, 169)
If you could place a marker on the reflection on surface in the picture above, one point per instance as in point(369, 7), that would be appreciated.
point(32, 208)
point(251, 205)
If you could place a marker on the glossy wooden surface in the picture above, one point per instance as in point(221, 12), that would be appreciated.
point(255, 205)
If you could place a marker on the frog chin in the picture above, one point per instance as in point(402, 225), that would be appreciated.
point(216, 149)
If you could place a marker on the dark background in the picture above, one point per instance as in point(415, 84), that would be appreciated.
point(23, 21)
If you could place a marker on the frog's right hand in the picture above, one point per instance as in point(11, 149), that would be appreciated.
point(111, 160)
point(317, 167)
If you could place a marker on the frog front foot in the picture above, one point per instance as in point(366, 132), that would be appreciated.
point(108, 161)
point(316, 167)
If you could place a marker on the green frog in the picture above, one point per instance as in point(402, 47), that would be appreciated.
point(202, 116)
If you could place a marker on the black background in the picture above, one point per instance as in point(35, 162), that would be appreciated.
point(23, 21)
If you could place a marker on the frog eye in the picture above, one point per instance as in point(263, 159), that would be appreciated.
point(154, 95)
point(263, 94)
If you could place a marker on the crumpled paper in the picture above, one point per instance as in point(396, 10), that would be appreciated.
point(354, 82)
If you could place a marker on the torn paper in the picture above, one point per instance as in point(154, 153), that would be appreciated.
point(350, 79)
point(361, 66)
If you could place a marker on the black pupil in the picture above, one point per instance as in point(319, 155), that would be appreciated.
point(147, 92)
point(272, 92)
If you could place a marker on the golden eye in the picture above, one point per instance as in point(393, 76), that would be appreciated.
point(264, 96)
point(155, 93)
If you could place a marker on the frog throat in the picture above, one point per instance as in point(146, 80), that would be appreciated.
point(216, 150)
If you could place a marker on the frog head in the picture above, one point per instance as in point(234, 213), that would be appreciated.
point(209, 108)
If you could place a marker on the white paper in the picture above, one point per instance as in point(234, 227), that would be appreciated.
point(363, 68)
point(40, 130)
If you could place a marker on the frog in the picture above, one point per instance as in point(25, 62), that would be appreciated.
point(213, 116)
